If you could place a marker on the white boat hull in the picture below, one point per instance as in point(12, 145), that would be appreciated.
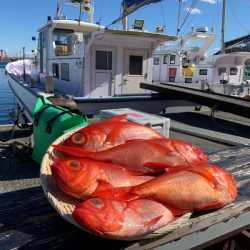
point(26, 98)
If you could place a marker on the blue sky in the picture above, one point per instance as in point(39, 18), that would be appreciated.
point(20, 19)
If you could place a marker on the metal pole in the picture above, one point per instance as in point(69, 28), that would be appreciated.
point(24, 64)
point(125, 23)
point(124, 19)
point(222, 27)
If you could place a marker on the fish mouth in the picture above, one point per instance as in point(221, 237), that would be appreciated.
point(93, 215)
point(88, 215)
point(56, 169)
point(59, 174)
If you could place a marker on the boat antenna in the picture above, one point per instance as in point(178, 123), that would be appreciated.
point(186, 17)
point(100, 19)
point(179, 15)
point(223, 27)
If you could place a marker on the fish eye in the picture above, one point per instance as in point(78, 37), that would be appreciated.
point(73, 164)
point(78, 138)
point(97, 203)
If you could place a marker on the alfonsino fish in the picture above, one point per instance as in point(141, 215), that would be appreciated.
point(109, 133)
point(145, 155)
point(80, 177)
point(183, 190)
point(122, 220)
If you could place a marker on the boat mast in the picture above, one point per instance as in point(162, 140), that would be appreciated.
point(223, 27)
point(125, 18)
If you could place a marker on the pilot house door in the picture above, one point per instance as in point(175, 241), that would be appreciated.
point(135, 71)
point(104, 66)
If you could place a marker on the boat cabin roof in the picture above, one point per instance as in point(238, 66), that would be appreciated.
point(143, 34)
point(72, 25)
point(238, 58)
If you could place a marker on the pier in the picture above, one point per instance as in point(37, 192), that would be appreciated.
point(216, 101)
point(29, 221)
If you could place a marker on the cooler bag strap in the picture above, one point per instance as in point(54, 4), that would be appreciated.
point(38, 114)
point(51, 121)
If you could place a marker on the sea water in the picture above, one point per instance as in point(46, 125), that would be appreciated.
point(7, 99)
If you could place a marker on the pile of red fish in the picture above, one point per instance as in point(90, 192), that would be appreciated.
point(131, 181)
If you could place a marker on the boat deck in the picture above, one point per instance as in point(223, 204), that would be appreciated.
point(29, 221)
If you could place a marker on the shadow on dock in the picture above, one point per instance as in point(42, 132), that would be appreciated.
point(222, 124)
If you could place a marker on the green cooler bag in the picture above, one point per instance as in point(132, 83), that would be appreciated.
point(50, 122)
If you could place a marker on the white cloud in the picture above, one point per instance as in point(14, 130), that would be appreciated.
point(211, 1)
point(194, 11)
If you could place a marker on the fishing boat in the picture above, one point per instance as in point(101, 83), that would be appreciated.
point(186, 64)
point(96, 66)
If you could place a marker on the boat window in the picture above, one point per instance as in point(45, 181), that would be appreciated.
point(156, 61)
point(103, 60)
point(41, 40)
point(55, 70)
point(171, 79)
point(65, 71)
point(135, 65)
point(172, 59)
point(233, 71)
point(40, 48)
point(203, 72)
point(188, 80)
point(221, 70)
point(165, 59)
point(63, 42)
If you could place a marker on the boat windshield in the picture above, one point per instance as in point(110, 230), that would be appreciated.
point(63, 41)
point(194, 46)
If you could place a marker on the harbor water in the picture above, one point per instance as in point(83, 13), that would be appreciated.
point(7, 99)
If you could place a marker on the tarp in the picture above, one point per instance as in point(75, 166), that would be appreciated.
point(132, 5)
point(16, 68)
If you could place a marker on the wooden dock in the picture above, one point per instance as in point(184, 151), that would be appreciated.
point(28, 221)
point(217, 101)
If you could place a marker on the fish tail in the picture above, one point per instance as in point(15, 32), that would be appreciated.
point(119, 118)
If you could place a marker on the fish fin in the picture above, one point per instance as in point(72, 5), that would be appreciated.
point(134, 140)
point(103, 185)
point(215, 205)
point(156, 166)
point(177, 168)
point(176, 211)
point(152, 222)
point(119, 118)
point(74, 151)
point(206, 174)
point(132, 172)
point(117, 194)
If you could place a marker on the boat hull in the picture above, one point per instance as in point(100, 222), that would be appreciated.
point(26, 98)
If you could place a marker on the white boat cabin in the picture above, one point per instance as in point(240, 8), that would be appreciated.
point(188, 66)
point(87, 60)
